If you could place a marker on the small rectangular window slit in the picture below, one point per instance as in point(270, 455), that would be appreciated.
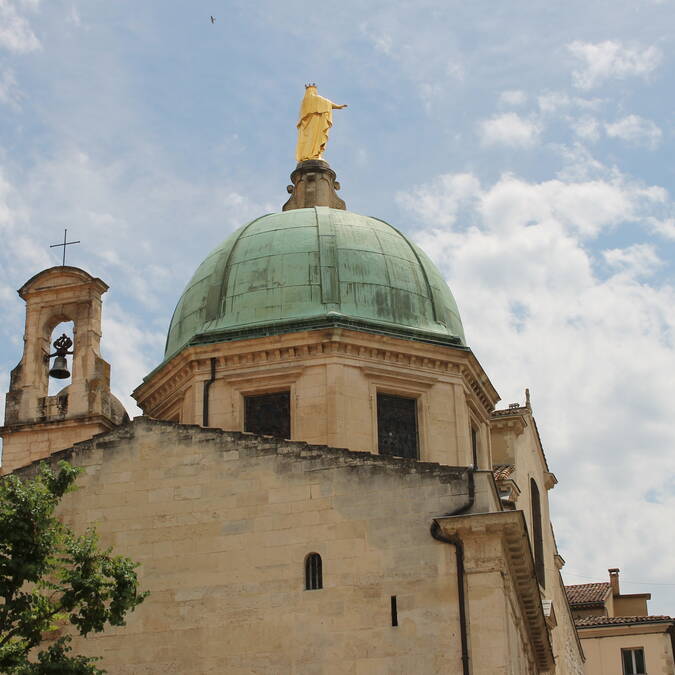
point(394, 611)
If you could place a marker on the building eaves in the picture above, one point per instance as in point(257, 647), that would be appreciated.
point(594, 621)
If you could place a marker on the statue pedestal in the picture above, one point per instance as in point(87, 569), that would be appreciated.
point(314, 184)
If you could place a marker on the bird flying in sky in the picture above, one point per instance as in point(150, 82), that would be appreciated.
point(213, 19)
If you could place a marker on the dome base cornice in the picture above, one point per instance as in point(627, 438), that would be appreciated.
point(162, 391)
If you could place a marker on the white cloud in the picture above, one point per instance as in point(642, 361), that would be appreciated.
point(16, 34)
point(587, 128)
point(591, 339)
point(585, 207)
point(557, 102)
point(635, 261)
point(415, 55)
point(440, 201)
point(513, 97)
point(665, 227)
point(636, 130)
point(611, 59)
point(580, 165)
point(509, 129)
point(19, 246)
point(131, 349)
point(381, 40)
point(552, 101)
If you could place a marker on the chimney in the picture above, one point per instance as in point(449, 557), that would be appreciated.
point(614, 580)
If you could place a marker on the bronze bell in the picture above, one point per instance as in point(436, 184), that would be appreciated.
point(60, 368)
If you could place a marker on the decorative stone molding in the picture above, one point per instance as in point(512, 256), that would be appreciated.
point(309, 346)
point(515, 423)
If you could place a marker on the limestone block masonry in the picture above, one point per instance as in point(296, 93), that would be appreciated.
point(221, 524)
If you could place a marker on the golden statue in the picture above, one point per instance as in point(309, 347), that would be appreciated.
point(316, 118)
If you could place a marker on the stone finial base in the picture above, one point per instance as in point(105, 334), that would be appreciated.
point(314, 184)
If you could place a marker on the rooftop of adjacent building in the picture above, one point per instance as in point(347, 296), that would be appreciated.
point(602, 604)
point(588, 621)
point(588, 595)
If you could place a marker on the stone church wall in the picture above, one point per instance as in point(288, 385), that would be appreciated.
point(221, 524)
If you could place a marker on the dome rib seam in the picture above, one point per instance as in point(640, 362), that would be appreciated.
point(329, 267)
point(432, 297)
point(224, 285)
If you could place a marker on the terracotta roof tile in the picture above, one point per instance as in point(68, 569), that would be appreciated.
point(587, 594)
point(587, 621)
point(503, 471)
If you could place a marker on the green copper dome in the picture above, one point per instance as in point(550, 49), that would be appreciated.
point(314, 267)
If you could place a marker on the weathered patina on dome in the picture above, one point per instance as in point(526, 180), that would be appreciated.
point(311, 267)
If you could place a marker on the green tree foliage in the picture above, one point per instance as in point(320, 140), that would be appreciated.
point(50, 577)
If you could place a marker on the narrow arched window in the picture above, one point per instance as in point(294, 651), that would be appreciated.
point(313, 572)
point(537, 538)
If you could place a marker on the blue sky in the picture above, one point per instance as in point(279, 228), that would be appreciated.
point(526, 146)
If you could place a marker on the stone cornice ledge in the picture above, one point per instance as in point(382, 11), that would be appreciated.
point(65, 423)
point(510, 527)
point(516, 423)
point(377, 350)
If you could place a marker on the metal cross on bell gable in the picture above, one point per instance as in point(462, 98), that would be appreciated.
point(65, 243)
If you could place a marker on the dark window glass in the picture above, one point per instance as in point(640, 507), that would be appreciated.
point(268, 414)
point(537, 534)
point(397, 426)
point(474, 446)
point(313, 572)
point(633, 661)
point(639, 661)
